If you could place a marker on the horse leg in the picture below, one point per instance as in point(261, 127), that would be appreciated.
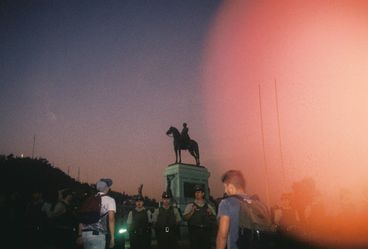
point(176, 155)
point(179, 155)
point(191, 151)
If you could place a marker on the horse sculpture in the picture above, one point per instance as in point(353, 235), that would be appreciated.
point(191, 146)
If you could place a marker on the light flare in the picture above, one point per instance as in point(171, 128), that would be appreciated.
point(317, 52)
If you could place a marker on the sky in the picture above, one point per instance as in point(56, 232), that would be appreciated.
point(276, 89)
point(98, 83)
point(290, 88)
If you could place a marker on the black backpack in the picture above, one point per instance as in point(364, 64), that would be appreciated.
point(89, 211)
point(255, 224)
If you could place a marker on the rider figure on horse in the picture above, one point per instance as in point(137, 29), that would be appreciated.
point(184, 136)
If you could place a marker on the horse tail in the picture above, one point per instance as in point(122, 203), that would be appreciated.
point(197, 150)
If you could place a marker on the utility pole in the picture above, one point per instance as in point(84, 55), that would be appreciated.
point(263, 147)
point(280, 144)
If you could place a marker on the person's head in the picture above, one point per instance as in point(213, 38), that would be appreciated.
point(165, 199)
point(67, 195)
point(37, 195)
point(184, 124)
point(285, 200)
point(234, 182)
point(198, 192)
point(103, 185)
point(139, 201)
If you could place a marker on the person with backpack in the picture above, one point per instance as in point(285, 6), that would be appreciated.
point(166, 221)
point(244, 222)
point(200, 217)
point(93, 228)
point(139, 225)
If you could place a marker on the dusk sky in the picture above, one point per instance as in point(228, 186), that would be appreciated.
point(100, 82)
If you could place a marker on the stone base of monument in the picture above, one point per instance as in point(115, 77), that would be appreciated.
point(181, 178)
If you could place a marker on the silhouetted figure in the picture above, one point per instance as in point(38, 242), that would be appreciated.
point(183, 144)
point(35, 222)
point(168, 185)
point(288, 223)
point(63, 222)
point(140, 190)
point(185, 136)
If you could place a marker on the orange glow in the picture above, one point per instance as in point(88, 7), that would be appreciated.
point(317, 52)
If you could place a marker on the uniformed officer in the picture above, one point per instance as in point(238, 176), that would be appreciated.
point(139, 225)
point(166, 221)
point(200, 217)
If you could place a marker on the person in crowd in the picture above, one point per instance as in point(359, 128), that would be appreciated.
point(36, 221)
point(139, 225)
point(63, 221)
point(228, 212)
point(286, 217)
point(166, 220)
point(94, 235)
point(200, 217)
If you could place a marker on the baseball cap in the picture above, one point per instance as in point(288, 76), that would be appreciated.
point(198, 188)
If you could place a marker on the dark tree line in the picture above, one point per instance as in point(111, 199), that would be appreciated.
point(22, 176)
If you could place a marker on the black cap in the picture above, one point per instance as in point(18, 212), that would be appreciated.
point(139, 198)
point(198, 188)
point(165, 195)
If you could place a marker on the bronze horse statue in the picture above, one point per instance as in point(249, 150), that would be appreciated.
point(179, 144)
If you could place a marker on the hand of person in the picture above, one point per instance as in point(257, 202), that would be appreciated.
point(209, 211)
point(79, 241)
point(194, 208)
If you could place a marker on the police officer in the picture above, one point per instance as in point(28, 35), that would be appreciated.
point(139, 225)
point(200, 217)
point(166, 220)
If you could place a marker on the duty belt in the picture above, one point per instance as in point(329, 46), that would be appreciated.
point(94, 232)
point(165, 229)
point(198, 226)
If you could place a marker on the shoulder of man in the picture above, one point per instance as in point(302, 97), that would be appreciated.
point(189, 205)
point(108, 202)
point(228, 203)
point(188, 208)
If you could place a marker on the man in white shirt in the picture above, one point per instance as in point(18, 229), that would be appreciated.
point(94, 235)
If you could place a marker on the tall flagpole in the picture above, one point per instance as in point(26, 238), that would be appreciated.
point(263, 147)
point(280, 143)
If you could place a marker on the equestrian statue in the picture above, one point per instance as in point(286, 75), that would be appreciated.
point(182, 141)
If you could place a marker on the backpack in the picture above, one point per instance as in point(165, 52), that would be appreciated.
point(90, 209)
point(255, 224)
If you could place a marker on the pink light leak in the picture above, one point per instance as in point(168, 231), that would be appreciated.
point(317, 52)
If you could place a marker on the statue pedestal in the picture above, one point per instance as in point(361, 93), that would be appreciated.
point(183, 178)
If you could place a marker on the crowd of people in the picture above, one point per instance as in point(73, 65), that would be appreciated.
point(209, 225)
